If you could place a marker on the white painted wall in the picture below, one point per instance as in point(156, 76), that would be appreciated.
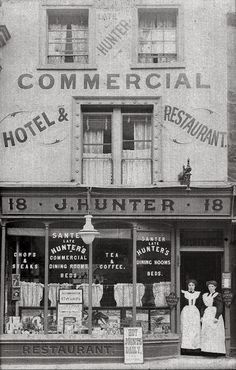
point(46, 156)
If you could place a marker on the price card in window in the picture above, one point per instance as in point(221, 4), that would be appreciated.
point(133, 345)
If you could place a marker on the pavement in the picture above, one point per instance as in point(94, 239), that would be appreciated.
point(174, 363)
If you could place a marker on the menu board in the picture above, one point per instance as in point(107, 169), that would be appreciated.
point(133, 345)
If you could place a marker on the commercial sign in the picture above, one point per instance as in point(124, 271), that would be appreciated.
point(154, 205)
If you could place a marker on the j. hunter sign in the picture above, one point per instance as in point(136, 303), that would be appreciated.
point(119, 206)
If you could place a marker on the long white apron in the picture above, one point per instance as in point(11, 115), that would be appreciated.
point(212, 334)
point(190, 322)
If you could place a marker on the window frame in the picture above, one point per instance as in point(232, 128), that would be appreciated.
point(179, 63)
point(77, 136)
point(53, 7)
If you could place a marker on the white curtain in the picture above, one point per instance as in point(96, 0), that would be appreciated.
point(123, 294)
point(157, 34)
point(31, 294)
point(56, 43)
point(136, 164)
point(80, 43)
point(97, 166)
point(160, 291)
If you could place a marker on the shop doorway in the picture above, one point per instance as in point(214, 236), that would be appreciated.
point(201, 266)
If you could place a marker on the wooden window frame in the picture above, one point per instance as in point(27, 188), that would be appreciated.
point(179, 63)
point(77, 136)
point(53, 6)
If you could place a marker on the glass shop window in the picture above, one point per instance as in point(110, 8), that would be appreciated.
point(112, 287)
point(24, 285)
point(157, 35)
point(68, 283)
point(154, 278)
point(68, 36)
point(97, 158)
point(137, 148)
point(201, 237)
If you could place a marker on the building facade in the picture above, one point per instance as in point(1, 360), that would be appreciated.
point(116, 109)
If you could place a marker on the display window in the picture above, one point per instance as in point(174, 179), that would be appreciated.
point(154, 280)
point(82, 289)
point(24, 282)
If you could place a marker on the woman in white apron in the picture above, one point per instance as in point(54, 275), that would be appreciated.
point(190, 318)
point(213, 330)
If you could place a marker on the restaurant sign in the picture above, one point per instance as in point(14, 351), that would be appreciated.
point(125, 205)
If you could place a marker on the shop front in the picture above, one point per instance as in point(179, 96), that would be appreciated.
point(64, 299)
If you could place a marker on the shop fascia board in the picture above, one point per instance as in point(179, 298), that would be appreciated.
point(179, 191)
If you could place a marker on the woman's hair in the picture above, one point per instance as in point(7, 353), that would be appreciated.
point(212, 282)
point(191, 281)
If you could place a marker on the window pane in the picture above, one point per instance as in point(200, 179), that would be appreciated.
point(156, 27)
point(169, 47)
point(24, 285)
point(137, 146)
point(112, 271)
point(97, 160)
point(68, 271)
point(154, 271)
point(68, 37)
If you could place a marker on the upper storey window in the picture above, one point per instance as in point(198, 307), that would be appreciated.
point(68, 36)
point(157, 35)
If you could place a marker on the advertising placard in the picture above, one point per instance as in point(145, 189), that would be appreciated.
point(69, 315)
point(133, 345)
point(71, 296)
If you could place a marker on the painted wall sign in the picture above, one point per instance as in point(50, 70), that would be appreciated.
point(194, 128)
point(66, 349)
point(155, 205)
point(32, 128)
point(133, 345)
point(113, 37)
point(112, 81)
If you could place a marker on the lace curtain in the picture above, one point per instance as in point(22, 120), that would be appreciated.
point(157, 34)
point(136, 164)
point(68, 39)
point(97, 165)
point(80, 43)
point(56, 43)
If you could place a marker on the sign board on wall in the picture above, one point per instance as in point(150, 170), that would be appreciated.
point(133, 345)
point(153, 205)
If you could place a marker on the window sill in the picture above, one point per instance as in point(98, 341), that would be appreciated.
point(176, 65)
point(79, 67)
